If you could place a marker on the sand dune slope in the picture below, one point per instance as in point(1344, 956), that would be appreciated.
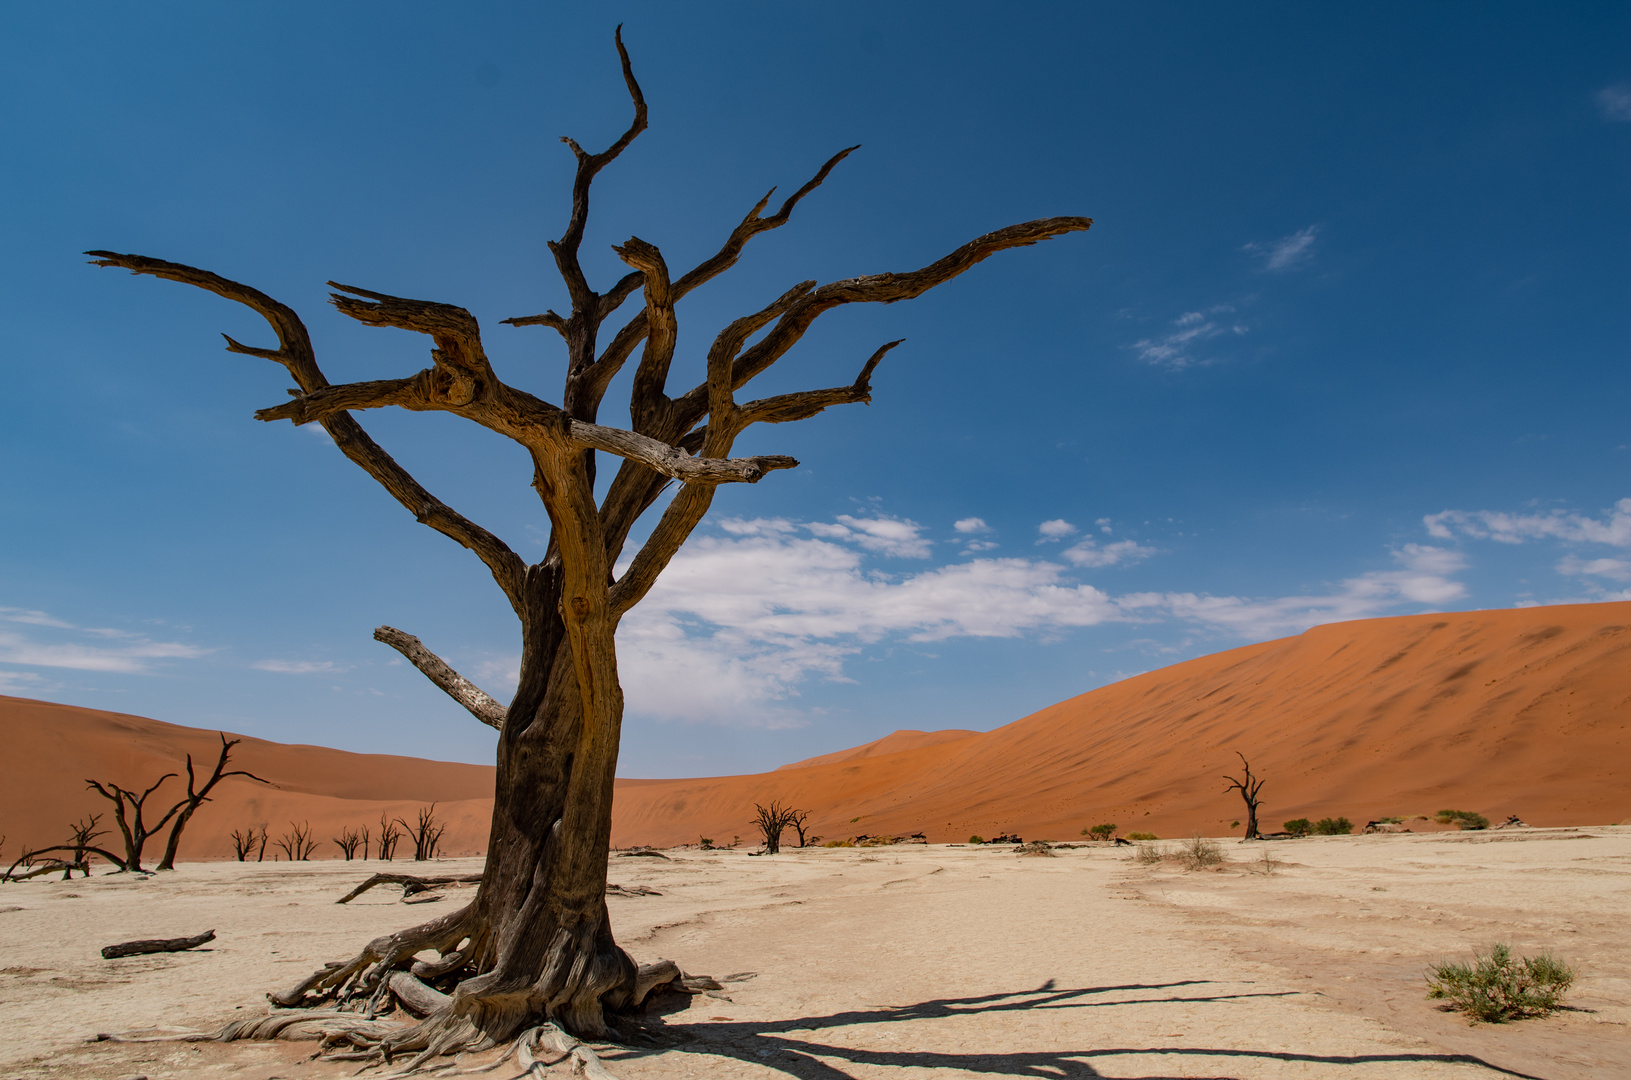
point(50, 751)
point(1520, 711)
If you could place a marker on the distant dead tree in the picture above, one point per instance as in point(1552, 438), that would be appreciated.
point(297, 843)
point(426, 833)
point(79, 847)
point(1248, 787)
point(365, 843)
point(540, 946)
point(797, 818)
point(245, 840)
point(129, 808)
point(348, 841)
point(389, 836)
point(771, 820)
point(85, 834)
point(198, 796)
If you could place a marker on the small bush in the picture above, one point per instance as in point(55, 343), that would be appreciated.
point(1333, 826)
point(839, 843)
point(1496, 988)
point(1148, 854)
point(706, 843)
point(1299, 826)
point(1101, 832)
point(1142, 836)
point(976, 839)
point(1464, 818)
point(1198, 853)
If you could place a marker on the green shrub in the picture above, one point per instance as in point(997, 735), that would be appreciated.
point(976, 839)
point(1102, 832)
point(1299, 826)
point(1495, 988)
point(1333, 826)
point(1464, 818)
point(1142, 836)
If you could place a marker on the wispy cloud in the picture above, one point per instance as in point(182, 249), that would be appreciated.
point(57, 643)
point(887, 536)
point(1052, 532)
point(1613, 569)
point(1612, 528)
point(1175, 349)
point(299, 667)
point(1090, 553)
point(1288, 252)
point(1423, 578)
point(741, 620)
point(971, 525)
point(1615, 103)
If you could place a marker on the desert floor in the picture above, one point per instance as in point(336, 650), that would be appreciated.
point(939, 961)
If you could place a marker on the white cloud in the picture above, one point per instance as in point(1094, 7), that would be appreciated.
point(1089, 553)
point(1616, 569)
point(298, 667)
point(971, 525)
point(1287, 252)
point(1055, 530)
point(64, 645)
point(887, 536)
point(1422, 579)
point(1615, 101)
point(21, 682)
point(974, 547)
point(1614, 528)
point(740, 621)
point(1173, 349)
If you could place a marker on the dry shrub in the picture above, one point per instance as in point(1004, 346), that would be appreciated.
point(1149, 854)
point(1198, 853)
point(1496, 988)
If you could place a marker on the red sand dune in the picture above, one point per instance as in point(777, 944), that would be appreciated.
point(1521, 711)
point(893, 743)
point(1499, 712)
point(51, 750)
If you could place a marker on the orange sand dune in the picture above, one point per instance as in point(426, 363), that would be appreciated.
point(1499, 712)
point(893, 743)
point(1521, 711)
point(51, 750)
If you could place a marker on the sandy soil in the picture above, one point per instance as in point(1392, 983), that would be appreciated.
point(939, 961)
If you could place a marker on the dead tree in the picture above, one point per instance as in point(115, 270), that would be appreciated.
point(84, 833)
point(244, 841)
point(426, 833)
point(198, 796)
point(1248, 787)
point(128, 808)
point(797, 819)
point(389, 836)
point(535, 943)
point(297, 843)
point(348, 841)
point(770, 821)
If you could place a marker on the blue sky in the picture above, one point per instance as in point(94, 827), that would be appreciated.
point(1348, 339)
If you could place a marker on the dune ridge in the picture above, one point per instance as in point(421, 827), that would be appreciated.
point(1520, 711)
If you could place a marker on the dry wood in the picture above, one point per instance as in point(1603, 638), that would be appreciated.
point(1248, 786)
point(437, 670)
point(536, 953)
point(153, 945)
point(410, 884)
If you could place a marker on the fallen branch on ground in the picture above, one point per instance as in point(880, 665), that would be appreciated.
point(410, 884)
point(152, 945)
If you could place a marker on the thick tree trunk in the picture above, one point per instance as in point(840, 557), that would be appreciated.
point(547, 948)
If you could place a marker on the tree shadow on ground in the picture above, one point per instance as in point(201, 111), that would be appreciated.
point(773, 1045)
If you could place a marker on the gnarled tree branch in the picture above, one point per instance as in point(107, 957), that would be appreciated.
point(295, 353)
point(437, 670)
